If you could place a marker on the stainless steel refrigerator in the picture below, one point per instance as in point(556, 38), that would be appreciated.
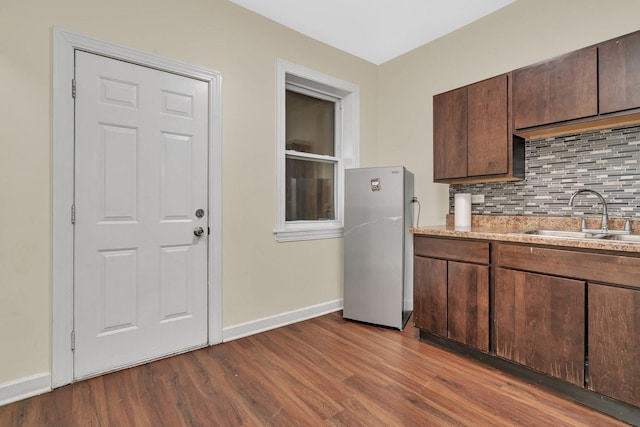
point(378, 248)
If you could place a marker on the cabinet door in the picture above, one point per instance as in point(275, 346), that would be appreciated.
point(488, 134)
point(540, 323)
point(619, 73)
point(614, 342)
point(430, 295)
point(450, 134)
point(468, 304)
point(562, 89)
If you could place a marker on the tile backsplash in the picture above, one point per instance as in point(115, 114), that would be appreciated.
point(607, 161)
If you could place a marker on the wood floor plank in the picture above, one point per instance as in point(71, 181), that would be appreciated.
point(304, 382)
point(324, 371)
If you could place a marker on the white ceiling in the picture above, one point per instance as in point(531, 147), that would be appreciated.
point(374, 30)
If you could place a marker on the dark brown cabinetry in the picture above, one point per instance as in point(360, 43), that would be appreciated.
point(619, 74)
point(472, 138)
point(558, 90)
point(611, 321)
point(468, 304)
point(451, 293)
point(614, 342)
point(479, 130)
point(540, 323)
point(450, 135)
point(488, 130)
point(430, 295)
point(568, 313)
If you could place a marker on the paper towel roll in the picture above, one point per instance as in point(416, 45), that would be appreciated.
point(462, 214)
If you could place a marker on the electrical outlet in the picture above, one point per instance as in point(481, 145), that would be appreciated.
point(477, 198)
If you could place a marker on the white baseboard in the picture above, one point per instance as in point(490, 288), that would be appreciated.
point(22, 388)
point(256, 326)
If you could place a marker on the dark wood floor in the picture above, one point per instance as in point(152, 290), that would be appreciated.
point(324, 371)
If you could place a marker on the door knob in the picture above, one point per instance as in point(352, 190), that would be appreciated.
point(198, 231)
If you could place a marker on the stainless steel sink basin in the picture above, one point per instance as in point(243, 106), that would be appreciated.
point(630, 238)
point(563, 234)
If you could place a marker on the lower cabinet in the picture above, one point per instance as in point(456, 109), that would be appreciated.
point(570, 314)
point(430, 295)
point(540, 323)
point(614, 342)
point(451, 292)
point(468, 304)
point(542, 318)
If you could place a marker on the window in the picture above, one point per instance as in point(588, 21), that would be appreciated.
point(317, 136)
point(310, 152)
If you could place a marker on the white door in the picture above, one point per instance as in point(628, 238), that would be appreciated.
point(140, 272)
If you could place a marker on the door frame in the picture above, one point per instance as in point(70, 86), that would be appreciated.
point(64, 45)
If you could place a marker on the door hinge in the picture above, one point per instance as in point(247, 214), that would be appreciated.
point(208, 230)
point(73, 340)
point(73, 88)
point(73, 214)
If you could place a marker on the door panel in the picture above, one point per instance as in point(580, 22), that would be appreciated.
point(450, 134)
point(540, 323)
point(564, 88)
point(614, 342)
point(175, 184)
point(175, 282)
point(117, 173)
point(140, 285)
point(430, 295)
point(468, 304)
point(619, 74)
point(118, 286)
point(488, 133)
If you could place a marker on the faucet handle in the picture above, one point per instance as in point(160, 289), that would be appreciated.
point(583, 224)
point(627, 226)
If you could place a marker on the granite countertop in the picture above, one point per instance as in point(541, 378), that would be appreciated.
point(506, 228)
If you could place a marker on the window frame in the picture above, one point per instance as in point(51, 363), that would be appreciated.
point(313, 83)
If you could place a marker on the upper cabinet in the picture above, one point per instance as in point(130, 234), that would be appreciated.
point(450, 134)
point(619, 73)
point(558, 90)
point(472, 138)
point(479, 130)
point(488, 130)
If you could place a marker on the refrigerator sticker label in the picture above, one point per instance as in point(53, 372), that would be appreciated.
point(375, 184)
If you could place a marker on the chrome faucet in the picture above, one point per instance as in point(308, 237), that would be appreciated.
point(605, 215)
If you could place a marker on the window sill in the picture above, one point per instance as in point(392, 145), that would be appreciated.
point(294, 234)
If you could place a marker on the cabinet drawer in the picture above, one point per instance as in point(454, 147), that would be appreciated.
point(614, 269)
point(452, 249)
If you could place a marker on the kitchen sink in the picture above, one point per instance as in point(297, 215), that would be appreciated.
point(596, 234)
point(563, 234)
point(631, 238)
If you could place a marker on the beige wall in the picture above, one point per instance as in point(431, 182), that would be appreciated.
point(523, 33)
point(260, 278)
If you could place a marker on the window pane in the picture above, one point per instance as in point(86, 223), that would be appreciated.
point(310, 124)
point(310, 189)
